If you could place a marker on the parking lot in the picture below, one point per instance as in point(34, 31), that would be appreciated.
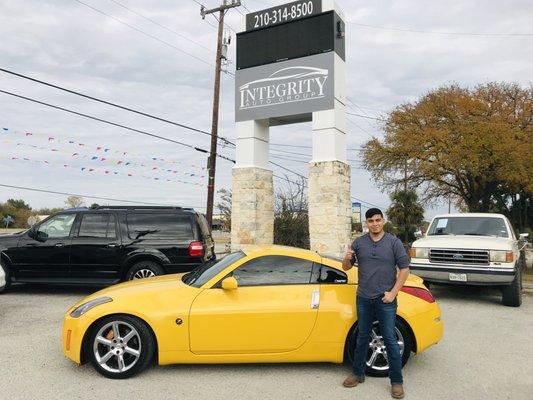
point(486, 353)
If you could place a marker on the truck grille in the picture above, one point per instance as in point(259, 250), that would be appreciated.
point(460, 256)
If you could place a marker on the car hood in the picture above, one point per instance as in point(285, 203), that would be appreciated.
point(10, 239)
point(464, 242)
point(158, 289)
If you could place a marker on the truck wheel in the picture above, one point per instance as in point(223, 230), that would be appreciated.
point(512, 294)
point(144, 269)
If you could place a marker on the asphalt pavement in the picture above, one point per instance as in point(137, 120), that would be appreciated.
point(486, 353)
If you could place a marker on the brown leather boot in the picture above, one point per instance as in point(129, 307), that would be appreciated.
point(397, 391)
point(351, 381)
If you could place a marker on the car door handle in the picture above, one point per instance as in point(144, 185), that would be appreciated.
point(315, 299)
point(60, 244)
point(112, 245)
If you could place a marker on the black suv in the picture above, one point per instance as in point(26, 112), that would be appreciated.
point(106, 245)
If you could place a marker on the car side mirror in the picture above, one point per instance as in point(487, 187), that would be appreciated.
point(41, 236)
point(523, 236)
point(418, 234)
point(230, 283)
point(32, 233)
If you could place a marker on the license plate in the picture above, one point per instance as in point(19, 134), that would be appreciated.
point(457, 277)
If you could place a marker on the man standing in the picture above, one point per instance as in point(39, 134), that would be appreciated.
point(378, 254)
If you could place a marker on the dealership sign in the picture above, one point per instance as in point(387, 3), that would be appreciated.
point(293, 87)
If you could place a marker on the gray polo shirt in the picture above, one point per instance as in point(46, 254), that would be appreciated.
point(377, 262)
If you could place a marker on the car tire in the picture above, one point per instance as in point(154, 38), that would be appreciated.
point(8, 279)
point(144, 269)
point(122, 357)
point(512, 294)
point(380, 367)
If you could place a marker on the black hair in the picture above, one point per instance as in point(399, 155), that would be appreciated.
point(373, 211)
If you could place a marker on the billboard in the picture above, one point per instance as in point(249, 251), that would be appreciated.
point(292, 87)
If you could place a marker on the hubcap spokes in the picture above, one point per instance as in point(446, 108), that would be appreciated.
point(377, 352)
point(117, 346)
point(143, 273)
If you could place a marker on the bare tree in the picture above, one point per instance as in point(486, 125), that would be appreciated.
point(291, 215)
point(74, 201)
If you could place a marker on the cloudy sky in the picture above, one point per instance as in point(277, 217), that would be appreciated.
point(158, 57)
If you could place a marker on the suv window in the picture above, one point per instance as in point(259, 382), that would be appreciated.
point(160, 226)
point(274, 270)
point(58, 226)
point(97, 226)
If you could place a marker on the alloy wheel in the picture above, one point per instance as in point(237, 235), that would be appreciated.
point(117, 346)
point(377, 351)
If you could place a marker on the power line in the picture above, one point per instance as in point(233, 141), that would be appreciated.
point(288, 170)
point(85, 196)
point(441, 33)
point(112, 104)
point(366, 116)
point(145, 33)
point(113, 123)
point(162, 26)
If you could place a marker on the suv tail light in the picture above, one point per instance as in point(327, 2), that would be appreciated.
point(196, 249)
point(420, 293)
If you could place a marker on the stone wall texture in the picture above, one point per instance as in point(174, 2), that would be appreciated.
point(252, 207)
point(329, 207)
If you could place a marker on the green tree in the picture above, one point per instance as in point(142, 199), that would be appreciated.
point(19, 210)
point(473, 145)
point(406, 214)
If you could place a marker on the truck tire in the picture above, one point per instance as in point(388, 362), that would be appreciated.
point(144, 269)
point(512, 294)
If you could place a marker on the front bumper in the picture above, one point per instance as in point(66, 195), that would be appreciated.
point(72, 336)
point(475, 275)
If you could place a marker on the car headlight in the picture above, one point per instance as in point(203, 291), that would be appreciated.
point(82, 309)
point(501, 256)
point(419, 252)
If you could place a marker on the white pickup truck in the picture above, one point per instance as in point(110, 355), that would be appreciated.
point(472, 249)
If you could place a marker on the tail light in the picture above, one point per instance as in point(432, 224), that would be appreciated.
point(196, 249)
point(420, 293)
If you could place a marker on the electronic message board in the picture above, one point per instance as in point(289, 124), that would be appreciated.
point(316, 34)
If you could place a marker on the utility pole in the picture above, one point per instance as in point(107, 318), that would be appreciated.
point(212, 160)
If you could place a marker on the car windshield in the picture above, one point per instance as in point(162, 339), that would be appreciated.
point(473, 226)
point(206, 271)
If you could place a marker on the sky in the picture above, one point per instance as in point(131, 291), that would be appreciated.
point(158, 57)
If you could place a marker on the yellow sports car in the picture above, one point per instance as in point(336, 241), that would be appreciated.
point(268, 304)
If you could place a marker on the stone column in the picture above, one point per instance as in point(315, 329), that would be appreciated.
point(329, 206)
point(252, 207)
point(329, 175)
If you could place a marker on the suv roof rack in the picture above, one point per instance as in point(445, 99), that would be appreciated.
point(140, 208)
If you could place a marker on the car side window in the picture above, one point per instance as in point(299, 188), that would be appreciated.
point(98, 226)
point(160, 226)
point(58, 226)
point(327, 275)
point(274, 270)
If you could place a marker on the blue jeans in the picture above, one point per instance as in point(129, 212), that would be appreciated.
point(367, 311)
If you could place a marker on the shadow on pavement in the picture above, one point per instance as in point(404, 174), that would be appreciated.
point(35, 288)
point(486, 294)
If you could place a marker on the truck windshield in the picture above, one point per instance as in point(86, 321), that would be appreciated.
point(474, 226)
